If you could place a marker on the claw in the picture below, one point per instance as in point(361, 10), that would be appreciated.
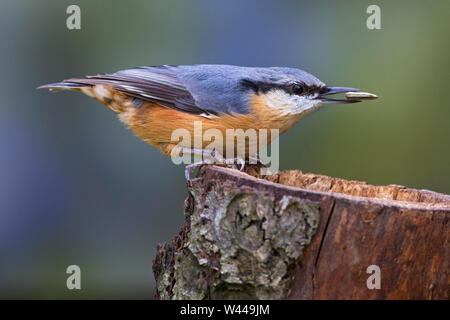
point(242, 163)
point(235, 161)
point(189, 169)
point(257, 160)
point(212, 157)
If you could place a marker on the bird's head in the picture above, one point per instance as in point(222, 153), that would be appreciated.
point(294, 91)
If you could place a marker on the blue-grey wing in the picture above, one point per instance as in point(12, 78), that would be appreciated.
point(197, 89)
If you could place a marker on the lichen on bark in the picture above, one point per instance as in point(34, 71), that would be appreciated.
point(242, 244)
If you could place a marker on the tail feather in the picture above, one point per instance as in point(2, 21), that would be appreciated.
point(97, 89)
point(64, 85)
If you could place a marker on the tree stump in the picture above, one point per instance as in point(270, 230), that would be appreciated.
point(305, 236)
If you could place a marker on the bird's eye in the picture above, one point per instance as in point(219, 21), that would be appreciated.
point(297, 88)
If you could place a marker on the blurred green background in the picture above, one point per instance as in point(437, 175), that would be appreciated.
point(76, 188)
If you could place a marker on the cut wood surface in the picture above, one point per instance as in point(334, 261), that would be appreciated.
point(304, 236)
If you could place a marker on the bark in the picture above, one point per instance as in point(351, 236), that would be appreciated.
point(304, 236)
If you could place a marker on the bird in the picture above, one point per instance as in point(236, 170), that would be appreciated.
point(154, 101)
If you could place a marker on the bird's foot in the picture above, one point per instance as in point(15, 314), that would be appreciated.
point(190, 169)
point(256, 160)
point(212, 157)
point(235, 163)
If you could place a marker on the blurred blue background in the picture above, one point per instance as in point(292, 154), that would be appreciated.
point(76, 188)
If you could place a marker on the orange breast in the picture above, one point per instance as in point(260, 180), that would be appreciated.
point(156, 125)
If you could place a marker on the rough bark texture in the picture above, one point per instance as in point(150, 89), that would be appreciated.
point(304, 236)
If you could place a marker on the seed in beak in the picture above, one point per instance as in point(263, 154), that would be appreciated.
point(360, 95)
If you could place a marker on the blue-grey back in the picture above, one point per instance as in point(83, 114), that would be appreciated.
point(199, 89)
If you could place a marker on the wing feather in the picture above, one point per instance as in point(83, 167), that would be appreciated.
point(156, 84)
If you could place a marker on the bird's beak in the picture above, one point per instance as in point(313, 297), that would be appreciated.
point(334, 90)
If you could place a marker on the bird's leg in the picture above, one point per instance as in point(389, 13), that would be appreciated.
point(228, 161)
point(209, 157)
point(214, 157)
point(191, 167)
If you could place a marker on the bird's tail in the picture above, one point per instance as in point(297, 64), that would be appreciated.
point(104, 93)
point(64, 85)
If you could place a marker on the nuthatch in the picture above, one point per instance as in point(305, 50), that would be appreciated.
point(155, 101)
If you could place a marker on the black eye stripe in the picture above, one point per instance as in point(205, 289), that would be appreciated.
point(297, 88)
point(260, 86)
point(303, 89)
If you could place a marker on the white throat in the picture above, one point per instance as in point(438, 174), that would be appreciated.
point(290, 103)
